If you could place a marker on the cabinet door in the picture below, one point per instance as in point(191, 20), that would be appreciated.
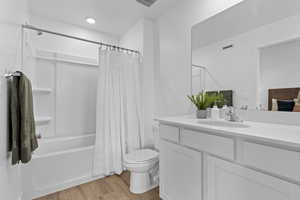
point(228, 181)
point(180, 172)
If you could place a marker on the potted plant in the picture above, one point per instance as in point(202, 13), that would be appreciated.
point(203, 101)
point(220, 100)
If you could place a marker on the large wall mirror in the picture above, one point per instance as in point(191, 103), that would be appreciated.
point(252, 52)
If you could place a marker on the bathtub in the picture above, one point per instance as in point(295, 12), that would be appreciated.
point(61, 163)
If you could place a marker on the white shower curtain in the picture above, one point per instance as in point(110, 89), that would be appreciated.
point(119, 124)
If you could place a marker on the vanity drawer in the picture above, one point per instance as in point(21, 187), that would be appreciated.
point(170, 133)
point(278, 161)
point(220, 146)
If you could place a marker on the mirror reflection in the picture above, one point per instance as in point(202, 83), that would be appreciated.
point(253, 55)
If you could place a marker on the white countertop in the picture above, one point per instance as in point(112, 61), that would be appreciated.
point(265, 132)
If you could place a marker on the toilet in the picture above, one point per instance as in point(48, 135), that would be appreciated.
point(143, 167)
point(140, 163)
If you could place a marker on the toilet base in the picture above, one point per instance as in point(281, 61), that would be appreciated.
point(140, 183)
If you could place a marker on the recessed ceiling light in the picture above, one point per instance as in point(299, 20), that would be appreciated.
point(90, 20)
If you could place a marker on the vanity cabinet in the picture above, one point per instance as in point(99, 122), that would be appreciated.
point(282, 162)
point(199, 164)
point(207, 142)
point(169, 133)
point(180, 172)
point(229, 181)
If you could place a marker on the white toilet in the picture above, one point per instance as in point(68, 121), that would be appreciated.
point(143, 167)
point(140, 163)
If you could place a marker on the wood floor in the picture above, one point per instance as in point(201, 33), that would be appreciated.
point(110, 188)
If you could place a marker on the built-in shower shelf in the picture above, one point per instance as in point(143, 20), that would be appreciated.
point(42, 90)
point(42, 120)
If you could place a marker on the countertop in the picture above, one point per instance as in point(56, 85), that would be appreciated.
point(287, 135)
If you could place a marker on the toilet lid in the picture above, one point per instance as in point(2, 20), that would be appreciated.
point(141, 156)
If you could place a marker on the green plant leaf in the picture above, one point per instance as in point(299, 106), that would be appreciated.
point(203, 100)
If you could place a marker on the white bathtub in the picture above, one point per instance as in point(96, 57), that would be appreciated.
point(50, 147)
point(61, 163)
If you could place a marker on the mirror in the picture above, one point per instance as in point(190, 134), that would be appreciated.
point(253, 51)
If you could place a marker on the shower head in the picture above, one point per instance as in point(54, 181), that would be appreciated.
point(147, 3)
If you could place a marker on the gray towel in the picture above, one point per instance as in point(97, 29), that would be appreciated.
point(21, 126)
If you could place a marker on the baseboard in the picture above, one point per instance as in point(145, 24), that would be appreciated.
point(65, 185)
point(154, 186)
point(163, 196)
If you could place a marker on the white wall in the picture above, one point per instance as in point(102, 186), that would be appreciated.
point(12, 14)
point(134, 37)
point(68, 46)
point(141, 37)
point(173, 69)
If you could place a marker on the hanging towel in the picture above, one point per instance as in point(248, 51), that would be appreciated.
point(13, 118)
point(23, 139)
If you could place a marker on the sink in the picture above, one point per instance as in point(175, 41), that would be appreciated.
point(223, 124)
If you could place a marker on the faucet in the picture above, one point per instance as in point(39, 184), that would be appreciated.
point(244, 107)
point(233, 116)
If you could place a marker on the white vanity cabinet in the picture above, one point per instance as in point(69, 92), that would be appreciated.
point(180, 168)
point(279, 161)
point(229, 181)
point(180, 172)
point(202, 164)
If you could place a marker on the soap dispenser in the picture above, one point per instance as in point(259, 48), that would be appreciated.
point(215, 113)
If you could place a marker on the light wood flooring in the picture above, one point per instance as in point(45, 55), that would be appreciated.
point(110, 188)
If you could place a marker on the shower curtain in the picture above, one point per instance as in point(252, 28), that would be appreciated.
point(119, 124)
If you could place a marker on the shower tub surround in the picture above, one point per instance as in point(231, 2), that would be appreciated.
point(64, 88)
point(225, 160)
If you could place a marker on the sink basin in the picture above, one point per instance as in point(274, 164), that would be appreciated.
point(223, 124)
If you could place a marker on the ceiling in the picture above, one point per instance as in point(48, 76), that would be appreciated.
point(112, 16)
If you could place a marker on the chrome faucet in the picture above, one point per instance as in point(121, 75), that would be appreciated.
point(233, 116)
point(244, 107)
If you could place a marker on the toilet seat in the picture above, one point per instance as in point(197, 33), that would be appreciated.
point(141, 156)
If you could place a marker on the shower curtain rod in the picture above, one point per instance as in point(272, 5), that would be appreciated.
point(77, 38)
